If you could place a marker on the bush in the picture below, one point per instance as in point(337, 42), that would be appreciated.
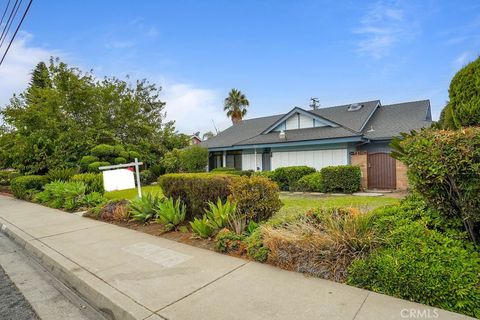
point(119, 160)
point(103, 151)
point(257, 198)
point(341, 179)
point(114, 210)
point(219, 213)
point(147, 177)
point(86, 160)
point(144, 209)
point(444, 168)
point(93, 167)
point(228, 241)
point(93, 181)
point(194, 159)
point(287, 177)
point(60, 174)
point(171, 161)
point(420, 264)
point(24, 187)
point(255, 248)
point(312, 182)
point(196, 189)
point(93, 199)
point(58, 194)
point(7, 176)
point(225, 170)
point(202, 227)
point(170, 213)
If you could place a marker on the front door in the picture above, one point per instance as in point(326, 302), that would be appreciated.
point(381, 171)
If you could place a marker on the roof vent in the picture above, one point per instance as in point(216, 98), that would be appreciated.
point(354, 107)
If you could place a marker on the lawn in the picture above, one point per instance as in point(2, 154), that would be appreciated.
point(132, 193)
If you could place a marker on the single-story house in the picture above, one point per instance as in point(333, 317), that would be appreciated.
point(357, 134)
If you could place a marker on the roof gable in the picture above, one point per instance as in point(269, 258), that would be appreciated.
point(299, 111)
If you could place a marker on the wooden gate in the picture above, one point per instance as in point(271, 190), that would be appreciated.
point(381, 171)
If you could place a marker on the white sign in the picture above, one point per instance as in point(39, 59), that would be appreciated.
point(119, 179)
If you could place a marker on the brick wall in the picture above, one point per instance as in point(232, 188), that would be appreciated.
point(401, 173)
point(360, 159)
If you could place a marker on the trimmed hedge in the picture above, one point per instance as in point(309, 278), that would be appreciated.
point(287, 177)
point(229, 170)
point(93, 167)
point(196, 189)
point(341, 179)
point(7, 176)
point(312, 182)
point(257, 197)
point(25, 187)
point(60, 174)
point(93, 181)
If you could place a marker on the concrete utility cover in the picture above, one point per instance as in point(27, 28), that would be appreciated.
point(162, 256)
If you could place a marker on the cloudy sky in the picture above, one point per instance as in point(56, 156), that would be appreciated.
point(279, 53)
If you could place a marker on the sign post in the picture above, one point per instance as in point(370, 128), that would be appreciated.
point(135, 164)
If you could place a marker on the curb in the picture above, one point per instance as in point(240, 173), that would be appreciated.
point(111, 303)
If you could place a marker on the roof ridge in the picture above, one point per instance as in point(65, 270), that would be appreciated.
point(345, 105)
point(395, 104)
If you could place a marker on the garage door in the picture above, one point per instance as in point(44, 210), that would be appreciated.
point(317, 159)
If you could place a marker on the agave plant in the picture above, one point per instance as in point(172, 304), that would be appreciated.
point(218, 214)
point(171, 213)
point(237, 222)
point(144, 209)
point(202, 227)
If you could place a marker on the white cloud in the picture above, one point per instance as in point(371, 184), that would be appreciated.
point(193, 109)
point(16, 68)
point(383, 26)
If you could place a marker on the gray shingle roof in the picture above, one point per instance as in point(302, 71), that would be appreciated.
point(387, 121)
point(390, 120)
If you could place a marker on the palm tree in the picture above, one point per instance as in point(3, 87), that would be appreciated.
point(236, 105)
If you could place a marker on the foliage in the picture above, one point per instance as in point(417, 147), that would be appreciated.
point(171, 161)
point(236, 105)
point(147, 177)
point(321, 243)
point(255, 248)
point(86, 160)
point(64, 113)
point(93, 167)
point(171, 213)
point(62, 174)
point(194, 159)
point(257, 198)
point(196, 189)
point(228, 241)
point(287, 177)
point(218, 213)
point(237, 222)
point(144, 209)
point(113, 210)
point(202, 227)
point(341, 178)
point(229, 170)
point(59, 194)
point(93, 181)
point(414, 251)
point(444, 168)
point(24, 187)
point(131, 194)
point(93, 199)
point(312, 182)
point(463, 109)
point(119, 160)
point(104, 151)
point(6, 177)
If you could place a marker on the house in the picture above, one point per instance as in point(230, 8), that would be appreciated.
point(357, 134)
point(195, 139)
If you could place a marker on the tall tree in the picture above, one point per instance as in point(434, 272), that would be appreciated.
point(236, 105)
point(65, 112)
point(463, 109)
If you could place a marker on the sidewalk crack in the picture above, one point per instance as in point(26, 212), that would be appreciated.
point(361, 306)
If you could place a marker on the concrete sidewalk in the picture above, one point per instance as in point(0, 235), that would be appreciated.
point(126, 274)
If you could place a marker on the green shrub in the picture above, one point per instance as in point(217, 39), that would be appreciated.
point(66, 195)
point(225, 170)
point(312, 182)
point(24, 187)
point(171, 161)
point(196, 189)
point(219, 213)
point(103, 151)
point(257, 197)
point(228, 241)
point(194, 159)
point(86, 160)
point(7, 176)
point(266, 174)
point(147, 177)
point(61, 174)
point(287, 177)
point(134, 154)
point(119, 160)
point(170, 213)
point(93, 181)
point(444, 168)
point(144, 209)
point(255, 248)
point(341, 179)
point(202, 227)
point(420, 264)
point(237, 222)
point(93, 199)
point(93, 167)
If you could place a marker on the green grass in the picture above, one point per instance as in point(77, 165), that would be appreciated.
point(131, 194)
point(295, 205)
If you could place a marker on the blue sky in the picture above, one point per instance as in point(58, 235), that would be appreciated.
point(279, 53)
